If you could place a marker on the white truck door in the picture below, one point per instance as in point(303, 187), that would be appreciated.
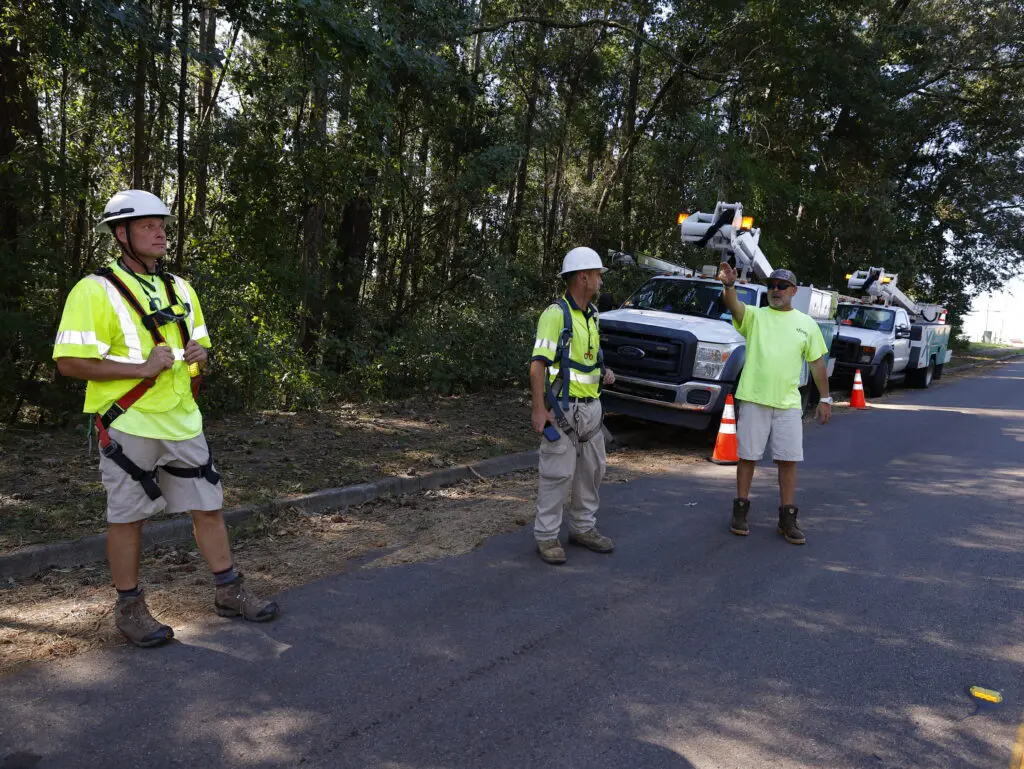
point(901, 341)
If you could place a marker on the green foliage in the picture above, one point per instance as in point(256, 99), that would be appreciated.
point(378, 196)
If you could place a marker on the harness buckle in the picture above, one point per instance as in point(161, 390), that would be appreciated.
point(111, 450)
point(115, 410)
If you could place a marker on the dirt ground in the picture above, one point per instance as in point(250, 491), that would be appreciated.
point(50, 487)
point(63, 612)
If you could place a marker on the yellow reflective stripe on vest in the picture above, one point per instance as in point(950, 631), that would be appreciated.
point(125, 319)
point(545, 344)
point(578, 376)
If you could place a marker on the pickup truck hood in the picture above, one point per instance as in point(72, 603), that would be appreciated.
point(874, 339)
point(705, 329)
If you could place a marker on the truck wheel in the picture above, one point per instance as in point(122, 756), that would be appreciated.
point(924, 377)
point(938, 371)
point(880, 381)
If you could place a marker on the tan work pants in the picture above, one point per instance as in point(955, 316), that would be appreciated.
point(566, 467)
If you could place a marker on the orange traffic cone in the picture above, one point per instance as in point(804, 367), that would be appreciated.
point(726, 449)
point(857, 396)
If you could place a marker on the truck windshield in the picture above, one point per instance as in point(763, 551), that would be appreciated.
point(870, 318)
point(687, 297)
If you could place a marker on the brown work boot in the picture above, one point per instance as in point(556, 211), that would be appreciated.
point(551, 551)
point(738, 524)
point(132, 617)
point(788, 527)
point(233, 600)
point(592, 540)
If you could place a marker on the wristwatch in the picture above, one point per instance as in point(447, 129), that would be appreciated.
point(827, 400)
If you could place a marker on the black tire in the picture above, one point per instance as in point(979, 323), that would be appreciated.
point(923, 376)
point(938, 371)
point(879, 383)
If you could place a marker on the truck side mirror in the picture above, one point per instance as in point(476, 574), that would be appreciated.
point(903, 332)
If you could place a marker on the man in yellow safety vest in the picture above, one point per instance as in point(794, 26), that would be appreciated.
point(137, 335)
point(566, 372)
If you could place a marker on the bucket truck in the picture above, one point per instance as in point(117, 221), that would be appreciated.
point(887, 335)
point(672, 345)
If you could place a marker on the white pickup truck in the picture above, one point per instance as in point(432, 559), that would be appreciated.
point(889, 337)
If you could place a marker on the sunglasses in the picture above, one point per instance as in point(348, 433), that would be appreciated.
point(777, 285)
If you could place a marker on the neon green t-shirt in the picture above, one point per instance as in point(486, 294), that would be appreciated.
point(586, 342)
point(778, 342)
point(97, 323)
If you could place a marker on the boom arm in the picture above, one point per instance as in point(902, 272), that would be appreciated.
point(731, 234)
point(879, 284)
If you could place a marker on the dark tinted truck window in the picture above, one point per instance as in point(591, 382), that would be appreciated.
point(866, 317)
point(687, 297)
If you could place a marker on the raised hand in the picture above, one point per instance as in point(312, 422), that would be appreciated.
point(727, 274)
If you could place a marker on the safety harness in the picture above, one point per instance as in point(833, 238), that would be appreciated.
point(110, 447)
point(558, 394)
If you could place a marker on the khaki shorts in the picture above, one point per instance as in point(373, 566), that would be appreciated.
point(759, 427)
point(127, 501)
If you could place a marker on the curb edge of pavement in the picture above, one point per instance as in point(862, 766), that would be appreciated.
point(36, 558)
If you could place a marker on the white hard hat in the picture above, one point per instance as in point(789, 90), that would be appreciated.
point(581, 258)
point(132, 204)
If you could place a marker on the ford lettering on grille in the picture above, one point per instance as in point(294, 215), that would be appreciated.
point(629, 351)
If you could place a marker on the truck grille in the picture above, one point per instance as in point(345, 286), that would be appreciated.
point(630, 350)
point(845, 349)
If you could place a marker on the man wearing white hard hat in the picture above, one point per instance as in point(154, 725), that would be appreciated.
point(136, 334)
point(566, 372)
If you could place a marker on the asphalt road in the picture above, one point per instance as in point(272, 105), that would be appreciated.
point(687, 647)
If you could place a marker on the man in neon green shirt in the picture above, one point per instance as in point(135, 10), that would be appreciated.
point(779, 339)
point(137, 336)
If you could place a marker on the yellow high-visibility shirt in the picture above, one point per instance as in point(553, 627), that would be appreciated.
point(98, 323)
point(778, 343)
point(586, 343)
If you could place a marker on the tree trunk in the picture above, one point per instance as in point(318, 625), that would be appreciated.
point(313, 230)
point(208, 42)
point(418, 212)
point(179, 246)
point(518, 201)
point(18, 114)
point(160, 119)
point(348, 271)
point(139, 110)
point(561, 153)
point(627, 150)
point(629, 124)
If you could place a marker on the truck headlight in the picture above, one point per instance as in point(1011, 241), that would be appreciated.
point(711, 359)
point(867, 354)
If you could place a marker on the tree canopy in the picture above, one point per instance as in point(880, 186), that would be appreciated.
point(374, 197)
